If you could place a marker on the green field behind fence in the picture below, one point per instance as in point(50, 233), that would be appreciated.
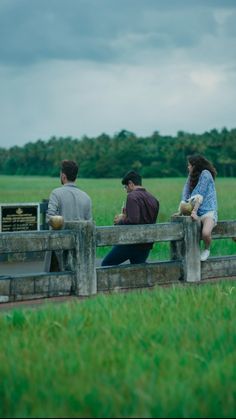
point(108, 197)
point(169, 352)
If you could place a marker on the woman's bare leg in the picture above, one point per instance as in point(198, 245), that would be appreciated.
point(208, 225)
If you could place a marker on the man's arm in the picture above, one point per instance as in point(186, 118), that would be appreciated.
point(132, 212)
point(53, 206)
point(89, 215)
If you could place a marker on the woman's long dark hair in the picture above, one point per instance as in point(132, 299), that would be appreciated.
point(199, 164)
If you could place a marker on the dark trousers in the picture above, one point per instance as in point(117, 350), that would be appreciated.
point(121, 253)
point(54, 263)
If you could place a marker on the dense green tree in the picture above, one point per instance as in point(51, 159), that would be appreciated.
point(106, 156)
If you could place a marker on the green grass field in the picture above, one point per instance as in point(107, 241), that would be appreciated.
point(108, 197)
point(166, 353)
point(108, 194)
point(170, 352)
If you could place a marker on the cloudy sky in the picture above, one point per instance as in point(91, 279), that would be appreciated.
point(83, 67)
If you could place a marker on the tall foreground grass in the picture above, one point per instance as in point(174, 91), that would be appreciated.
point(166, 353)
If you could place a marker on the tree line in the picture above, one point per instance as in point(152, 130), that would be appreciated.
point(111, 156)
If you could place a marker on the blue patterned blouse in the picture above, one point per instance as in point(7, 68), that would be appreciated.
point(206, 188)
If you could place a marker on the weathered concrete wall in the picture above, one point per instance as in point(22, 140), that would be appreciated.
point(109, 236)
point(79, 242)
point(224, 230)
point(219, 267)
point(36, 286)
point(84, 262)
point(138, 276)
point(36, 242)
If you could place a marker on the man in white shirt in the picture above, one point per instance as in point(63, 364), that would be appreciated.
point(69, 202)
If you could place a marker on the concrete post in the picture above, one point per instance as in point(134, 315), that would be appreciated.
point(84, 257)
point(188, 249)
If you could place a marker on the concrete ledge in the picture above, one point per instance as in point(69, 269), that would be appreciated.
point(219, 267)
point(138, 276)
point(41, 241)
point(27, 287)
point(134, 234)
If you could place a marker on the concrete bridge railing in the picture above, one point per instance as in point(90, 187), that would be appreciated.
point(78, 243)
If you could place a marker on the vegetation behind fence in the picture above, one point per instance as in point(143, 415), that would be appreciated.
point(110, 157)
point(80, 276)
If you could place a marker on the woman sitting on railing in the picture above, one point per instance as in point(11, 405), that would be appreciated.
point(200, 191)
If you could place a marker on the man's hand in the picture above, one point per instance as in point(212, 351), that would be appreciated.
point(119, 218)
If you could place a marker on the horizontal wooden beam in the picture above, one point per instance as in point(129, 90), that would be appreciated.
point(219, 267)
point(23, 287)
point(36, 242)
point(224, 230)
point(138, 276)
point(133, 234)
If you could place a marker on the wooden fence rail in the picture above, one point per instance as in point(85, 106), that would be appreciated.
point(78, 243)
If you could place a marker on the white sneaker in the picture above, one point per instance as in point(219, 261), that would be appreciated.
point(205, 255)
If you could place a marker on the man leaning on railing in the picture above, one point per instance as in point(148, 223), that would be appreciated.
point(141, 208)
point(70, 203)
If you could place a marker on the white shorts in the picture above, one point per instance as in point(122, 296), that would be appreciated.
point(209, 214)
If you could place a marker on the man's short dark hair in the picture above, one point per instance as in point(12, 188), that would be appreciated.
point(133, 177)
point(70, 168)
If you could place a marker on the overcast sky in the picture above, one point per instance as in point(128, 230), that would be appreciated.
point(83, 67)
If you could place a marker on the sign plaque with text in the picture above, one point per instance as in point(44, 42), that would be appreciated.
point(19, 217)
